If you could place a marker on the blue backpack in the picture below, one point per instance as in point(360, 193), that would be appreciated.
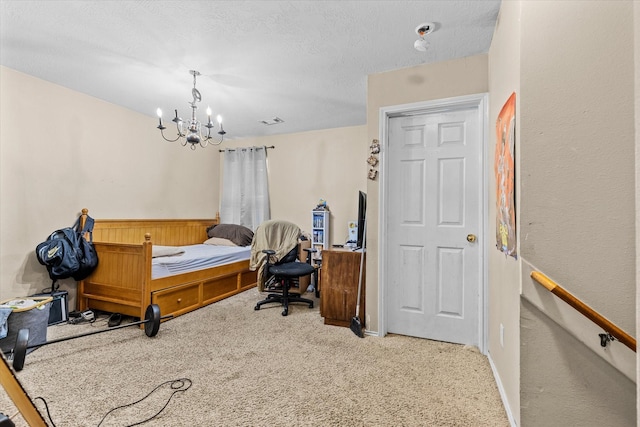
point(66, 253)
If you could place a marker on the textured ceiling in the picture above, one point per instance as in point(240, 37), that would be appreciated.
point(303, 61)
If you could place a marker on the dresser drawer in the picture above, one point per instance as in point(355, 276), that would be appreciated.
point(214, 290)
point(177, 299)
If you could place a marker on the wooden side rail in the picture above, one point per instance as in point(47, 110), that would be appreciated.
point(585, 310)
point(19, 395)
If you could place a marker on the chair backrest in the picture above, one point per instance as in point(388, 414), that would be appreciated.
point(291, 256)
point(300, 252)
point(277, 236)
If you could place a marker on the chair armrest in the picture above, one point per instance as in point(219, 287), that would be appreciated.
point(265, 271)
point(309, 252)
point(270, 253)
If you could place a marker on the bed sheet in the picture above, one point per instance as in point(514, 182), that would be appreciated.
point(198, 257)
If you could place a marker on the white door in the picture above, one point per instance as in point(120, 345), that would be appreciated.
point(433, 268)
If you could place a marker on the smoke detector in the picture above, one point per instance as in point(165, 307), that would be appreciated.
point(422, 30)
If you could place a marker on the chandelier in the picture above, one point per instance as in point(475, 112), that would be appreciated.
point(191, 132)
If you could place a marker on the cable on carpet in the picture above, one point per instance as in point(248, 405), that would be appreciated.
point(179, 385)
point(47, 409)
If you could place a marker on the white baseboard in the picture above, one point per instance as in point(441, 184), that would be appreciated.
point(503, 396)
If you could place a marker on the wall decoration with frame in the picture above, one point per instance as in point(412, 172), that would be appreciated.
point(374, 149)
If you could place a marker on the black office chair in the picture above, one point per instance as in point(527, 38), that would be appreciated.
point(282, 277)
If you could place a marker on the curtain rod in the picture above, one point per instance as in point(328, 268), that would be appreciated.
point(245, 148)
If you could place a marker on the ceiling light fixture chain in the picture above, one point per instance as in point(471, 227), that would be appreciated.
point(191, 130)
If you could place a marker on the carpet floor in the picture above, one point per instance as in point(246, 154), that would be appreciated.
point(228, 365)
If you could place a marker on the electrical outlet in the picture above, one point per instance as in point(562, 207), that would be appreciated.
point(501, 335)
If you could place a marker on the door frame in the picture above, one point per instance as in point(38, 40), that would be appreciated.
point(479, 101)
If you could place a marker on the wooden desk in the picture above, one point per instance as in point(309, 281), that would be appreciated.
point(339, 286)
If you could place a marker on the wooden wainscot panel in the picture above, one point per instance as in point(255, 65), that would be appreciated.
point(215, 290)
point(122, 307)
point(200, 275)
point(178, 299)
point(248, 279)
point(119, 265)
point(112, 294)
point(164, 231)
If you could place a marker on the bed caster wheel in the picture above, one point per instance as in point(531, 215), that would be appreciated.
point(285, 312)
point(256, 308)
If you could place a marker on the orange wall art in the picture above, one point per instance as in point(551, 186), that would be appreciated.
point(505, 178)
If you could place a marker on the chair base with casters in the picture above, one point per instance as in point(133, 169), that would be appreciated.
point(287, 273)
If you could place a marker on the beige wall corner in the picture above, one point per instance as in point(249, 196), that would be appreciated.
point(410, 85)
point(305, 167)
point(504, 272)
point(636, 48)
point(61, 151)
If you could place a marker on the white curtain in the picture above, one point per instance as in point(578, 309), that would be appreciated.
point(245, 187)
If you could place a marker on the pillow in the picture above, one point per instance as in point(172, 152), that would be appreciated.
point(238, 234)
point(219, 241)
point(160, 251)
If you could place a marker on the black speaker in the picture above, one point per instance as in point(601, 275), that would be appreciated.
point(59, 311)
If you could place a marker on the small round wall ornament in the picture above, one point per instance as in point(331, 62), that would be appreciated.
point(375, 147)
point(372, 160)
point(372, 174)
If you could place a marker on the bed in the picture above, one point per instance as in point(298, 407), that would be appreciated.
point(128, 278)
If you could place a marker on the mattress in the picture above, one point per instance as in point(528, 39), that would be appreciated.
point(197, 257)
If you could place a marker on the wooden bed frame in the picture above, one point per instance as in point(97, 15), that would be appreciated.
point(122, 281)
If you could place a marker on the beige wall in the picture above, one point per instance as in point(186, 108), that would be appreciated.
point(577, 202)
point(306, 167)
point(578, 123)
point(410, 85)
point(61, 151)
point(504, 272)
point(636, 27)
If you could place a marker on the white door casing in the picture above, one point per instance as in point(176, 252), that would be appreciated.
point(432, 201)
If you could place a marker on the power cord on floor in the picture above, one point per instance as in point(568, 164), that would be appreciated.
point(46, 407)
point(179, 385)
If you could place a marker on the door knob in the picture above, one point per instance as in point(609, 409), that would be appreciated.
point(471, 238)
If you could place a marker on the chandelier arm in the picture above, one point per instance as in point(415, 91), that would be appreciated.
point(215, 142)
point(209, 138)
point(167, 139)
point(179, 125)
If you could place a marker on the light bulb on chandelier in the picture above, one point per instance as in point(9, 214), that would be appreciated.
point(191, 131)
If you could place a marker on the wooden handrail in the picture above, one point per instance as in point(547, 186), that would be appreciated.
point(585, 310)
